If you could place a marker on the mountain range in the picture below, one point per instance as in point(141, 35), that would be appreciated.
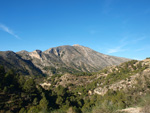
point(58, 60)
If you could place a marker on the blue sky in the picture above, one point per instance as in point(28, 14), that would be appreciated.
point(113, 27)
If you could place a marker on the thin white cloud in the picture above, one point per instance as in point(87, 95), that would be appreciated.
point(128, 39)
point(116, 50)
point(138, 39)
point(120, 47)
point(6, 29)
point(124, 42)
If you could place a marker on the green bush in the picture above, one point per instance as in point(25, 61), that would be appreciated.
point(22, 110)
point(44, 103)
point(34, 109)
point(29, 86)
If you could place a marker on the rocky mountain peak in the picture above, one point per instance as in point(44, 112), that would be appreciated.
point(77, 45)
point(38, 51)
point(74, 58)
point(36, 54)
point(23, 52)
point(8, 53)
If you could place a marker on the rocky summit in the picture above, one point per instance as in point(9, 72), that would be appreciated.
point(62, 59)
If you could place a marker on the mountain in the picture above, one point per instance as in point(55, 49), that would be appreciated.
point(58, 60)
point(11, 60)
point(72, 59)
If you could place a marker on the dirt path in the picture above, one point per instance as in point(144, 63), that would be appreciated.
point(132, 110)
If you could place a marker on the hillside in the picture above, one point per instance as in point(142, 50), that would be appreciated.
point(72, 59)
point(110, 90)
point(11, 60)
point(116, 87)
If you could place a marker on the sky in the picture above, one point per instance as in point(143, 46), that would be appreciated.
point(113, 27)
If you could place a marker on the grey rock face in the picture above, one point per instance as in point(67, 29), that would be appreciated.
point(75, 57)
point(60, 59)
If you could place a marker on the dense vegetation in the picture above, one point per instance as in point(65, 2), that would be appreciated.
point(61, 70)
point(23, 94)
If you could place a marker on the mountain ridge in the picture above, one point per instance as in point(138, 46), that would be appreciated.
point(65, 58)
point(11, 60)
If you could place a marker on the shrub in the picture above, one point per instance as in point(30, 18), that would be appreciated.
point(44, 103)
point(33, 109)
point(22, 110)
point(29, 86)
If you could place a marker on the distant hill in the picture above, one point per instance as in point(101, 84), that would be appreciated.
point(58, 60)
point(11, 60)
